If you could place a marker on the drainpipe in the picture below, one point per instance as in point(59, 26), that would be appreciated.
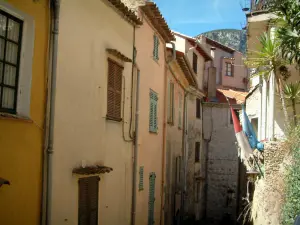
point(184, 154)
point(136, 133)
point(49, 133)
point(165, 131)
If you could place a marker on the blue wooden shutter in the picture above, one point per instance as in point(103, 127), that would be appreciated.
point(155, 47)
point(153, 112)
point(141, 183)
point(151, 198)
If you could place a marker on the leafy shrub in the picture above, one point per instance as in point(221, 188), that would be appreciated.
point(292, 196)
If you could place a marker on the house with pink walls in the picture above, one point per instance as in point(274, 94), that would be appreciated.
point(231, 72)
point(150, 43)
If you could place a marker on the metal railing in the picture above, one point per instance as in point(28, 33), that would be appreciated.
point(258, 5)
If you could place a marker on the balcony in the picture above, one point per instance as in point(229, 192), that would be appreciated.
point(258, 5)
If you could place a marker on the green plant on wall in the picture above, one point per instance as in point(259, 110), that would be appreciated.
point(292, 94)
point(291, 207)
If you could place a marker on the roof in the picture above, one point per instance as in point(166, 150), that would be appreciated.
point(89, 170)
point(128, 13)
point(157, 20)
point(200, 48)
point(186, 68)
point(239, 96)
point(219, 45)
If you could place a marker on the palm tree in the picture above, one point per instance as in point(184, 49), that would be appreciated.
point(288, 23)
point(268, 60)
point(292, 93)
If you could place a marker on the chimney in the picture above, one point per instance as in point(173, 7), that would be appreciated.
point(211, 93)
point(211, 81)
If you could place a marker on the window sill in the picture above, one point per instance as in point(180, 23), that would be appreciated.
point(110, 118)
point(153, 132)
point(8, 116)
point(170, 123)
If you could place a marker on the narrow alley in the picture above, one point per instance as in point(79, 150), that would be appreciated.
point(149, 112)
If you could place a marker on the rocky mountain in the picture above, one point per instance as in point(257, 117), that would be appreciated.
point(235, 39)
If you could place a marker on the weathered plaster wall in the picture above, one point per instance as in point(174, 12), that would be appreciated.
point(222, 162)
point(194, 169)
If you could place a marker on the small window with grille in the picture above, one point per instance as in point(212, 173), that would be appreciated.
point(10, 50)
point(88, 200)
point(114, 90)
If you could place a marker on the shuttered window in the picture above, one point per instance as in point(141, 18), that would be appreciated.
point(229, 69)
point(179, 110)
point(88, 201)
point(141, 182)
point(195, 62)
point(10, 49)
point(153, 112)
point(170, 102)
point(151, 199)
point(197, 190)
point(155, 47)
point(197, 152)
point(198, 108)
point(178, 172)
point(114, 90)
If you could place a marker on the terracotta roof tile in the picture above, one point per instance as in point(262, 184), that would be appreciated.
point(239, 96)
point(128, 13)
point(154, 15)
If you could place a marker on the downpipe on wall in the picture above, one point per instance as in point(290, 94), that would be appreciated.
point(49, 121)
point(136, 133)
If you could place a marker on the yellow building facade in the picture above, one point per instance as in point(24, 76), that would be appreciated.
point(24, 32)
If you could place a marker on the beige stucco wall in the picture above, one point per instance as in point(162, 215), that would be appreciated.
point(174, 144)
point(81, 131)
point(152, 76)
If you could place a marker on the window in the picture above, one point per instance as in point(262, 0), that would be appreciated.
point(141, 183)
point(114, 90)
point(178, 172)
point(10, 49)
point(180, 111)
point(155, 48)
point(236, 113)
point(153, 112)
point(229, 69)
point(171, 102)
point(151, 198)
point(88, 200)
point(195, 62)
point(198, 108)
point(197, 152)
point(197, 190)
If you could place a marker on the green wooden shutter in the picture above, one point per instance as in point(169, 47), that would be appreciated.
point(155, 47)
point(141, 183)
point(153, 112)
point(151, 198)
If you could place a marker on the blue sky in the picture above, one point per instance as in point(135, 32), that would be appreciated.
point(193, 17)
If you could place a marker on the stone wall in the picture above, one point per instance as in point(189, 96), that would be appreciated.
point(223, 162)
point(269, 191)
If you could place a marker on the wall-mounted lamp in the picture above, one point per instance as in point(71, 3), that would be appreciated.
point(252, 175)
point(3, 181)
